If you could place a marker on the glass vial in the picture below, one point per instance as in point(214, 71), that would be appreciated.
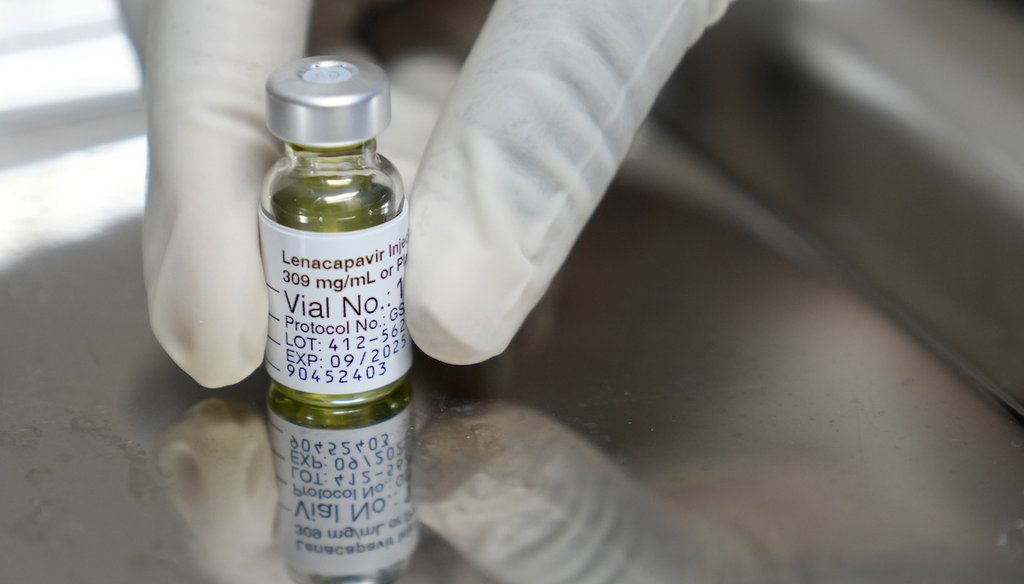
point(334, 237)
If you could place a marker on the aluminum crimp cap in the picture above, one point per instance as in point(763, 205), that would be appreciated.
point(327, 101)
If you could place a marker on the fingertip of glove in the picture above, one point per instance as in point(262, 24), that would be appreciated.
point(443, 342)
point(212, 360)
point(211, 369)
point(461, 308)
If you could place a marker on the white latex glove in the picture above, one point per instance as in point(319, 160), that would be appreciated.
point(540, 118)
point(543, 113)
point(206, 64)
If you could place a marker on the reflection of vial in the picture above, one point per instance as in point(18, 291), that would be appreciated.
point(334, 236)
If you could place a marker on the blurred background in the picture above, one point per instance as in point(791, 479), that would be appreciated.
point(72, 146)
point(828, 204)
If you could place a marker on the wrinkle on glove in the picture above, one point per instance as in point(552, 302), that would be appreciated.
point(542, 114)
point(206, 63)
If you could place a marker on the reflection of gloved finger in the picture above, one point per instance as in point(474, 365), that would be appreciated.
point(218, 466)
point(542, 114)
point(206, 63)
point(527, 500)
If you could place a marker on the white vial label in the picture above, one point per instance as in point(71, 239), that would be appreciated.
point(345, 506)
point(337, 314)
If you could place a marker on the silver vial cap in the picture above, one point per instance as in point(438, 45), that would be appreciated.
point(327, 101)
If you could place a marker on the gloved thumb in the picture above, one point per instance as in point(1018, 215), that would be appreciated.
point(206, 63)
point(542, 114)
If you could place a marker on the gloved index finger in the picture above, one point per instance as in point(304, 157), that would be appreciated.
point(543, 113)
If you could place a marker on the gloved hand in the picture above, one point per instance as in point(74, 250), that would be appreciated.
point(541, 116)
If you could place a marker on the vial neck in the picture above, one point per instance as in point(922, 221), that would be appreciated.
point(334, 158)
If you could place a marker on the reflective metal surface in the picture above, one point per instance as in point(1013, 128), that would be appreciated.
point(696, 399)
point(682, 387)
point(891, 134)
